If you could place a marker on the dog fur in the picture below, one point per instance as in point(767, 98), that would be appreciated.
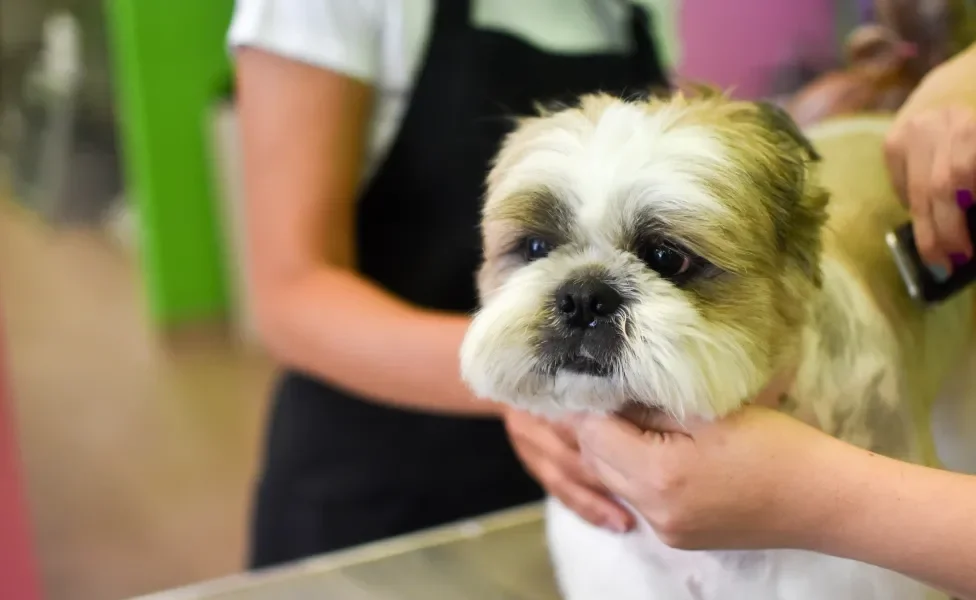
point(783, 235)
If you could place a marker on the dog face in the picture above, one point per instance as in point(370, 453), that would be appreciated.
point(655, 251)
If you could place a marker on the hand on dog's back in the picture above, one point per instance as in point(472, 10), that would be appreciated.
point(931, 156)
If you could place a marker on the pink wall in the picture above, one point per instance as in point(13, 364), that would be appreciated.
point(739, 42)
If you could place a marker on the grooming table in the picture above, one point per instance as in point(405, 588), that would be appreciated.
point(498, 557)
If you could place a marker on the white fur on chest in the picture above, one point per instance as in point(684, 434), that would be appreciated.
point(594, 564)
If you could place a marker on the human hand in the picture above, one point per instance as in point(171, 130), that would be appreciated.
point(551, 453)
point(931, 156)
point(737, 483)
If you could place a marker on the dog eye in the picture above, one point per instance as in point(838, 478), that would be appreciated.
point(667, 261)
point(534, 248)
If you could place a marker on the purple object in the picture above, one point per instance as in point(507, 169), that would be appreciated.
point(964, 198)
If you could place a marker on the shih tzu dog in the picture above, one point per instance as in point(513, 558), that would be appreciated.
point(682, 253)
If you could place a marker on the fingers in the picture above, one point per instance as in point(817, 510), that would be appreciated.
point(647, 418)
point(963, 161)
point(948, 218)
point(567, 434)
point(563, 480)
point(558, 466)
point(918, 182)
point(548, 440)
point(618, 449)
point(932, 162)
point(593, 507)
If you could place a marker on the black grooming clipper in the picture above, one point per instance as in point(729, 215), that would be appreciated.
point(922, 284)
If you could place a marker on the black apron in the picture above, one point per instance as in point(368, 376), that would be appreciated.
point(338, 470)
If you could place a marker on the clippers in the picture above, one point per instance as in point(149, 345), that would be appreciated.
point(924, 285)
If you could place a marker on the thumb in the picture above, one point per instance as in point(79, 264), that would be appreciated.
point(616, 448)
point(648, 418)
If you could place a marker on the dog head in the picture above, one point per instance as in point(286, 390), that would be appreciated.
point(644, 251)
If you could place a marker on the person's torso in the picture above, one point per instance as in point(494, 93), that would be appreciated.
point(418, 232)
point(419, 212)
point(570, 27)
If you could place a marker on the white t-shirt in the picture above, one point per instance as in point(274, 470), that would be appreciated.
point(383, 42)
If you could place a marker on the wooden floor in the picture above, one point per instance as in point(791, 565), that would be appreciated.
point(139, 455)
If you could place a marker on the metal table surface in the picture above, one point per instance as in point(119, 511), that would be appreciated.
point(501, 556)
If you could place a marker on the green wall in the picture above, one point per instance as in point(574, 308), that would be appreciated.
point(170, 62)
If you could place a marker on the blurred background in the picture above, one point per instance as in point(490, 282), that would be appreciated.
point(132, 392)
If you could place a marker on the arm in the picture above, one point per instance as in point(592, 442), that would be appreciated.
point(760, 479)
point(907, 518)
point(303, 138)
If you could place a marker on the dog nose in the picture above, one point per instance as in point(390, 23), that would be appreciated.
point(583, 304)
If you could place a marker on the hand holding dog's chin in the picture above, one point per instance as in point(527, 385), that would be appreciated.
point(550, 452)
point(755, 479)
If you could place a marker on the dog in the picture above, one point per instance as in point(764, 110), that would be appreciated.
point(682, 252)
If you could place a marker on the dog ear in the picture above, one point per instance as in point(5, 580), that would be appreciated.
point(801, 209)
point(777, 119)
point(799, 234)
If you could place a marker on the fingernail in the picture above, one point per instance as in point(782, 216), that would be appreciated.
point(964, 198)
point(959, 259)
point(939, 273)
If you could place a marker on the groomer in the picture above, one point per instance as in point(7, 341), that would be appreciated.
point(368, 127)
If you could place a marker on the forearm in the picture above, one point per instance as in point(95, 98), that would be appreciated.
point(911, 519)
point(303, 130)
point(335, 325)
